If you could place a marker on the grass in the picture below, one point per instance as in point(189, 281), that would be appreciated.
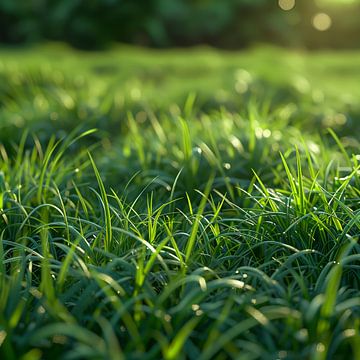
point(211, 214)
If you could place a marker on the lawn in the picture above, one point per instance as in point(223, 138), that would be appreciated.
point(179, 204)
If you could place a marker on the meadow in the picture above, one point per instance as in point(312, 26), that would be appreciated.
point(179, 204)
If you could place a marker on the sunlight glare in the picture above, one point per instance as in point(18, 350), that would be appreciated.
point(322, 22)
point(286, 5)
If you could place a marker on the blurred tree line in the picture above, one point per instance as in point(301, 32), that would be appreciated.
point(224, 23)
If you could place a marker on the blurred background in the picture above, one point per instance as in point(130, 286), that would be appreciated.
point(152, 56)
point(229, 24)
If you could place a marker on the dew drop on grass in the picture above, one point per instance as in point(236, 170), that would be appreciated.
point(349, 333)
point(235, 142)
point(302, 335)
point(195, 307)
point(197, 150)
point(259, 132)
point(202, 284)
point(266, 133)
point(41, 310)
point(320, 347)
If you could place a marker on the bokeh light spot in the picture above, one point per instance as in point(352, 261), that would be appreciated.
point(286, 5)
point(322, 22)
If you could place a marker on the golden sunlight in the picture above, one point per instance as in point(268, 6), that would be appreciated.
point(322, 22)
point(286, 4)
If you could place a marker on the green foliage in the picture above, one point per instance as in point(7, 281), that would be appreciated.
point(192, 230)
point(87, 24)
point(226, 24)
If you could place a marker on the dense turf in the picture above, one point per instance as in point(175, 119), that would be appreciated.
point(212, 214)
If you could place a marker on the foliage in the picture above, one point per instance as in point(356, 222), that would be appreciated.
point(194, 231)
point(227, 24)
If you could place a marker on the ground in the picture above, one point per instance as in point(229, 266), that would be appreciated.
point(179, 204)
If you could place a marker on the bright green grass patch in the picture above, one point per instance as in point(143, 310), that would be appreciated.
point(217, 225)
point(50, 88)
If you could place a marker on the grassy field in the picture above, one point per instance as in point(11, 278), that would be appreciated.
point(179, 204)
